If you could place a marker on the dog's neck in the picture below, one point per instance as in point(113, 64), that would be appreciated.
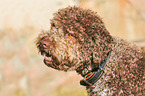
point(107, 84)
point(92, 77)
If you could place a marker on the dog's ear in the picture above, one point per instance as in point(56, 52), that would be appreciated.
point(102, 45)
point(89, 29)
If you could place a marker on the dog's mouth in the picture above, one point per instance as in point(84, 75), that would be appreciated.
point(50, 60)
point(48, 57)
point(45, 47)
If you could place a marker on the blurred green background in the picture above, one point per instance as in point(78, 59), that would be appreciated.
point(22, 72)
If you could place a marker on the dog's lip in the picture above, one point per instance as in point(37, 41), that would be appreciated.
point(50, 59)
point(51, 62)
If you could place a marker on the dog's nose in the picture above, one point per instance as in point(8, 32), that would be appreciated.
point(46, 45)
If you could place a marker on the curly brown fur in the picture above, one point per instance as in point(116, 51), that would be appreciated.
point(78, 40)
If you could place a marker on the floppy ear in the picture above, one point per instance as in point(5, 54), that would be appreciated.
point(102, 45)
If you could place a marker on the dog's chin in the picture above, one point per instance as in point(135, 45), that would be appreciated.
point(52, 62)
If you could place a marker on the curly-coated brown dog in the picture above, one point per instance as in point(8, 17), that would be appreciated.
point(78, 40)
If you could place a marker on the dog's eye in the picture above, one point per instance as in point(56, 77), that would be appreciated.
point(70, 34)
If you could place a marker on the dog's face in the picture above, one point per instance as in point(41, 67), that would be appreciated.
point(60, 49)
point(77, 40)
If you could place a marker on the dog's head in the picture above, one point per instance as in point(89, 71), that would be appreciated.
point(77, 40)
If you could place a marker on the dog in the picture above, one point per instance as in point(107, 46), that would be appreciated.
point(78, 40)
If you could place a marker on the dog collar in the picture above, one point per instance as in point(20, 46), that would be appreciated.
point(93, 76)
